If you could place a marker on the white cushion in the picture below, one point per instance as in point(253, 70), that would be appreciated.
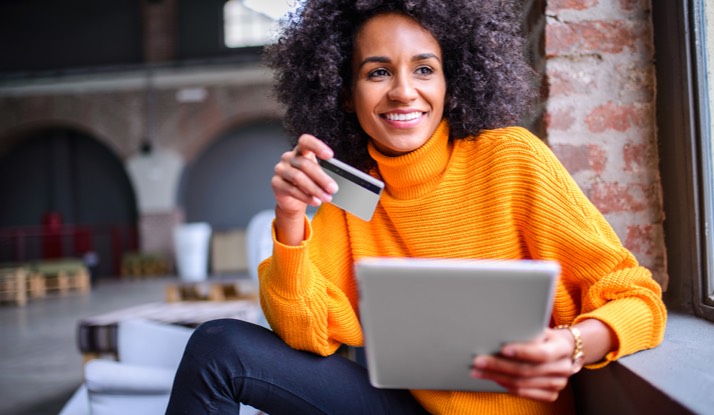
point(151, 343)
point(108, 376)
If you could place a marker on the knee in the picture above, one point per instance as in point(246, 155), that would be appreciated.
point(213, 356)
point(222, 338)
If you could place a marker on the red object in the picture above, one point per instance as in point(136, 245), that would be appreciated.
point(82, 241)
point(52, 238)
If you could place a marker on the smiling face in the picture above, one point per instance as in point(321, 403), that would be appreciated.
point(398, 87)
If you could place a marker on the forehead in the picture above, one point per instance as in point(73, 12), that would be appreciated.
point(390, 32)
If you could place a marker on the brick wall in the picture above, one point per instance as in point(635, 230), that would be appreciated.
point(600, 114)
point(116, 114)
point(159, 17)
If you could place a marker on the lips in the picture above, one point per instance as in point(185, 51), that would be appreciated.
point(409, 116)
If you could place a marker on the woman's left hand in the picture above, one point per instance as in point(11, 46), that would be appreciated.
point(538, 369)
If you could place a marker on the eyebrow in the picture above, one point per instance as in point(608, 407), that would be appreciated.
point(384, 59)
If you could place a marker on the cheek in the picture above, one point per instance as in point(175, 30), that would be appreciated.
point(363, 103)
point(440, 95)
point(361, 110)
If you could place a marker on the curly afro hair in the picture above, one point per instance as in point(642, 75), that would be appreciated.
point(489, 83)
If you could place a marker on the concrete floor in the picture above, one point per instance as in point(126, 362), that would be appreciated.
point(40, 363)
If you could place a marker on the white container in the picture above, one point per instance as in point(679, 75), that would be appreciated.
point(191, 242)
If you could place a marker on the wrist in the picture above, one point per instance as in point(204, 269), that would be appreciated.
point(289, 226)
point(578, 354)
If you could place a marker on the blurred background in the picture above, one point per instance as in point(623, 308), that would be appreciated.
point(121, 119)
point(120, 122)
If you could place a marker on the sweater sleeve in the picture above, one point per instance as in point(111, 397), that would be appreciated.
point(600, 278)
point(307, 291)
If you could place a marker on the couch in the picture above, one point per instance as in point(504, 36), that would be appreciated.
point(140, 381)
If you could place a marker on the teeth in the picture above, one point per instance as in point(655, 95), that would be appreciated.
point(403, 117)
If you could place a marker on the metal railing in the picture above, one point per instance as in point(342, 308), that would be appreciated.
point(101, 246)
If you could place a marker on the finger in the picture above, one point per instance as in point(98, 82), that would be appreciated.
point(312, 170)
point(553, 383)
point(549, 347)
point(309, 145)
point(283, 189)
point(544, 395)
point(295, 183)
point(521, 368)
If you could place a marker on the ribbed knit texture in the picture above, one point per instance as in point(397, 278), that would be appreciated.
point(502, 195)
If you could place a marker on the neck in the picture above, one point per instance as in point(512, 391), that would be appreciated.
point(414, 174)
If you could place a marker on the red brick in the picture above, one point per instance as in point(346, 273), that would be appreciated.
point(555, 5)
point(636, 80)
point(634, 5)
point(578, 158)
point(597, 158)
point(574, 158)
point(636, 157)
point(612, 197)
point(159, 37)
point(641, 239)
point(589, 37)
point(562, 83)
point(37, 107)
point(561, 119)
point(616, 117)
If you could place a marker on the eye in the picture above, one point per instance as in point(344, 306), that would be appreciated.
point(424, 70)
point(377, 73)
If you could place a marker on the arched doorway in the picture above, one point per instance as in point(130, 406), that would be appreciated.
point(230, 181)
point(69, 184)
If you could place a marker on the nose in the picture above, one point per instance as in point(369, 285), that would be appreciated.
point(402, 90)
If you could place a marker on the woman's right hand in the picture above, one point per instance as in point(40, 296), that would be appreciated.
point(298, 182)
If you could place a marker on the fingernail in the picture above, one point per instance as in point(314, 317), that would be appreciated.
point(507, 351)
point(333, 188)
point(476, 373)
point(326, 198)
point(316, 201)
point(480, 362)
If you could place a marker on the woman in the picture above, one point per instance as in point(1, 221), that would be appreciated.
point(420, 94)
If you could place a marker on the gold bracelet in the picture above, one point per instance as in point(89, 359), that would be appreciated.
point(578, 356)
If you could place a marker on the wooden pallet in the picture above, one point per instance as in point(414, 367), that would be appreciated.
point(13, 285)
point(140, 265)
point(36, 287)
point(59, 276)
point(21, 282)
point(65, 282)
point(211, 291)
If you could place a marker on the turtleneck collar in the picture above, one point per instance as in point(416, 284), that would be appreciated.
point(415, 174)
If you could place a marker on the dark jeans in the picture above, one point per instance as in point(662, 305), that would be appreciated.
point(230, 361)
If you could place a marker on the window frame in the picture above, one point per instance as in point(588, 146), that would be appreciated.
point(254, 15)
point(685, 156)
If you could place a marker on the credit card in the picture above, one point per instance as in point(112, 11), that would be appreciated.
point(358, 192)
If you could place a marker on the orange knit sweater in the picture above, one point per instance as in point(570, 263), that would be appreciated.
point(503, 195)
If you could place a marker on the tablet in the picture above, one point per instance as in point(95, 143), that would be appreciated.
point(424, 320)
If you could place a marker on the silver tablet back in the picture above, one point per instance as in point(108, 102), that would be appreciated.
point(425, 319)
